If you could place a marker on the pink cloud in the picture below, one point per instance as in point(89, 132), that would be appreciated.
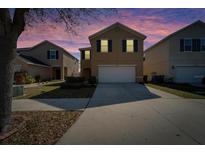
point(155, 27)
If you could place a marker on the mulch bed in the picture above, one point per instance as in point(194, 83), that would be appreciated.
point(39, 127)
point(17, 122)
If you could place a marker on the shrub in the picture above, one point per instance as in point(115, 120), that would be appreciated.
point(92, 80)
point(145, 79)
point(38, 78)
point(19, 78)
point(29, 79)
point(169, 80)
point(203, 80)
point(73, 82)
point(158, 78)
point(23, 78)
point(74, 79)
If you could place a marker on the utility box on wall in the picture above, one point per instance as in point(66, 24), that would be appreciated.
point(18, 90)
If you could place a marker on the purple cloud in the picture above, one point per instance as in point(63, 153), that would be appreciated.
point(155, 23)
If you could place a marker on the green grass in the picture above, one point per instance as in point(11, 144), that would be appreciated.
point(182, 90)
point(53, 90)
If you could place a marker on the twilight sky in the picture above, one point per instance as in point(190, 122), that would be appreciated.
point(154, 23)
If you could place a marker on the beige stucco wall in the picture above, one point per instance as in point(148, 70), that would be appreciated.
point(165, 56)
point(85, 64)
point(72, 66)
point(157, 60)
point(33, 70)
point(64, 60)
point(117, 57)
point(40, 52)
point(178, 58)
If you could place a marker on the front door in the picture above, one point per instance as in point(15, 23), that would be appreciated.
point(65, 72)
point(56, 73)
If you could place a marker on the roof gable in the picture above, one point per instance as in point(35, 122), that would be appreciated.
point(46, 41)
point(64, 51)
point(198, 22)
point(117, 24)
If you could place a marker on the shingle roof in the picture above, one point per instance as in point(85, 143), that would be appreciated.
point(19, 50)
point(32, 60)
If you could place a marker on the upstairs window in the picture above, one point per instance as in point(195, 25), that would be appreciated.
point(104, 46)
point(130, 45)
point(202, 44)
point(52, 54)
point(187, 44)
point(87, 54)
point(196, 45)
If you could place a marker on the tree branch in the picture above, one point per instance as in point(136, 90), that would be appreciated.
point(19, 21)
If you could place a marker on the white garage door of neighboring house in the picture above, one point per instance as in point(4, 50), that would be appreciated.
point(111, 74)
point(189, 74)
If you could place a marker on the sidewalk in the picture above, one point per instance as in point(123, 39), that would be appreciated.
point(49, 104)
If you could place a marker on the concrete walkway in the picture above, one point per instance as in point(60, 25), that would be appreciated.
point(49, 104)
point(135, 114)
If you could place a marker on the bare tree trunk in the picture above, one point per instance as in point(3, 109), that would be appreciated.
point(8, 53)
point(9, 33)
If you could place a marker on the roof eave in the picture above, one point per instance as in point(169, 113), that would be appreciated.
point(142, 36)
point(86, 48)
point(30, 63)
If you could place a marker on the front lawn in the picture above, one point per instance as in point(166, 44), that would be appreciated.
point(182, 90)
point(41, 127)
point(53, 90)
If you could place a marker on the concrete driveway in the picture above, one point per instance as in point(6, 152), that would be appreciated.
point(135, 114)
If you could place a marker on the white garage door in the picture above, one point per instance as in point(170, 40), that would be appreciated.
point(109, 74)
point(189, 74)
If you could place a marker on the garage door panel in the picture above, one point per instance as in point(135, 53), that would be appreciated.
point(109, 74)
point(189, 74)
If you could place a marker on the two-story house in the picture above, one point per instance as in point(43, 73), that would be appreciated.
point(47, 60)
point(115, 55)
point(180, 57)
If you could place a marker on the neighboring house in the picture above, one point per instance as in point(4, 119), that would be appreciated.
point(46, 59)
point(115, 55)
point(180, 57)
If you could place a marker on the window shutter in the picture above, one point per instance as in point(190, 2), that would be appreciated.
point(196, 44)
point(83, 54)
point(98, 44)
point(109, 45)
point(124, 46)
point(135, 45)
point(56, 54)
point(182, 45)
point(48, 54)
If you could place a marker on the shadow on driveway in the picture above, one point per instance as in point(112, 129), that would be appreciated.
point(110, 94)
point(105, 94)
